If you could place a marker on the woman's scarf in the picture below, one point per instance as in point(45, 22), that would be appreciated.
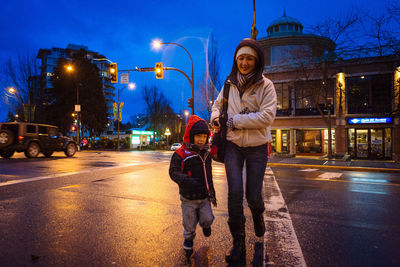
point(244, 80)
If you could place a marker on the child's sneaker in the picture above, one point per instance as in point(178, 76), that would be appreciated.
point(188, 247)
point(207, 231)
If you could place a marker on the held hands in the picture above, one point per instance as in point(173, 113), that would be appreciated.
point(216, 125)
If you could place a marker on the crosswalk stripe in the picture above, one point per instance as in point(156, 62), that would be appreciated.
point(278, 218)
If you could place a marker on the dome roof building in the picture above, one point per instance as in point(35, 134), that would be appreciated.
point(286, 43)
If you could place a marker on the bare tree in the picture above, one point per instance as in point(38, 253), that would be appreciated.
point(343, 31)
point(159, 111)
point(20, 73)
point(313, 73)
point(382, 36)
point(356, 35)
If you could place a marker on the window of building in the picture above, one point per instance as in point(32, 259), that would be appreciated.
point(276, 28)
point(283, 27)
point(290, 27)
point(280, 141)
point(306, 93)
point(296, 28)
point(289, 54)
point(273, 141)
point(281, 55)
point(308, 141)
point(283, 99)
point(369, 94)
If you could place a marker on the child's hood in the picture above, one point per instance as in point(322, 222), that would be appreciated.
point(190, 123)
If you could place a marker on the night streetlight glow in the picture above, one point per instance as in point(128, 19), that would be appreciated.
point(11, 90)
point(132, 86)
point(69, 68)
point(156, 44)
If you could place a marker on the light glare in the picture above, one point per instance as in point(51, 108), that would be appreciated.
point(156, 44)
point(132, 86)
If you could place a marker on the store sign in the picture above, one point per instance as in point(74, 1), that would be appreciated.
point(368, 120)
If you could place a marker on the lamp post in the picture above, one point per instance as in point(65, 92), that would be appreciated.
point(186, 116)
point(77, 109)
point(157, 44)
point(17, 94)
point(131, 86)
point(340, 99)
point(167, 133)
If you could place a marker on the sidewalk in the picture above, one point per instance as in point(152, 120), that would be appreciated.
point(318, 162)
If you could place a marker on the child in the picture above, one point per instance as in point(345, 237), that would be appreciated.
point(190, 168)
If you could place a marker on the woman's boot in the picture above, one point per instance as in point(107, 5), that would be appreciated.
point(259, 224)
point(238, 251)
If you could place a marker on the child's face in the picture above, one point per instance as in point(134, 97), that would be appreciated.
point(200, 139)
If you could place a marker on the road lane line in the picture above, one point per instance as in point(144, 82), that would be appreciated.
point(280, 238)
point(352, 181)
point(330, 175)
point(19, 181)
point(309, 170)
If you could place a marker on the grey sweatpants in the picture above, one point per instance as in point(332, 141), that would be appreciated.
point(193, 212)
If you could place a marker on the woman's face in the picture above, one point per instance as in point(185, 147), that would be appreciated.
point(246, 63)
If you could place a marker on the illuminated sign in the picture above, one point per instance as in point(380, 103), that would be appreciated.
point(140, 132)
point(368, 120)
point(135, 140)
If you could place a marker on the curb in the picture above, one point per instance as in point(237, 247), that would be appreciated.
point(347, 168)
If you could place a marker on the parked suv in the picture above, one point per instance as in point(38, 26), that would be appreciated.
point(33, 138)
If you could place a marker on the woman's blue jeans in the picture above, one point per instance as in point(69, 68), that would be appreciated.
point(255, 159)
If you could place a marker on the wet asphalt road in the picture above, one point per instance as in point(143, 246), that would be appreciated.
point(350, 218)
point(121, 209)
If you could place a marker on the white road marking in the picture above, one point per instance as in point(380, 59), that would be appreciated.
point(280, 235)
point(309, 170)
point(330, 175)
point(19, 181)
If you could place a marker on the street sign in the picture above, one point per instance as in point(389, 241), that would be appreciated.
point(124, 78)
point(77, 108)
point(368, 120)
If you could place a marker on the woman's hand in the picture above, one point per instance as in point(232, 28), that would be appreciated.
point(216, 126)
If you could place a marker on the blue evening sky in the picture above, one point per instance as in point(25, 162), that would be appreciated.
point(124, 30)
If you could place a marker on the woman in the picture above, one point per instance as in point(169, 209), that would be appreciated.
point(251, 111)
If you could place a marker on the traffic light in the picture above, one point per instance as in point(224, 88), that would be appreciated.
point(113, 73)
point(190, 103)
point(159, 70)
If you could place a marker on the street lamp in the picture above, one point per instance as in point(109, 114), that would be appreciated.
point(17, 94)
point(131, 86)
point(340, 98)
point(186, 113)
point(70, 69)
point(156, 44)
point(167, 133)
point(12, 90)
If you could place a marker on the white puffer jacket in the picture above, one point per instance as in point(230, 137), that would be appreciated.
point(254, 128)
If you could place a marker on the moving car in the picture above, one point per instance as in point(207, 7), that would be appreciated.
point(33, 138)
point(175, 146)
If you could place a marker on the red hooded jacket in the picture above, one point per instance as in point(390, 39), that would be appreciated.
point(190, 165)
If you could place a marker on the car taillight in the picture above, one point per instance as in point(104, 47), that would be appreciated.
point(20, 137)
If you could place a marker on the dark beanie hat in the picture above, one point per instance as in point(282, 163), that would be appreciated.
point(200, 127)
